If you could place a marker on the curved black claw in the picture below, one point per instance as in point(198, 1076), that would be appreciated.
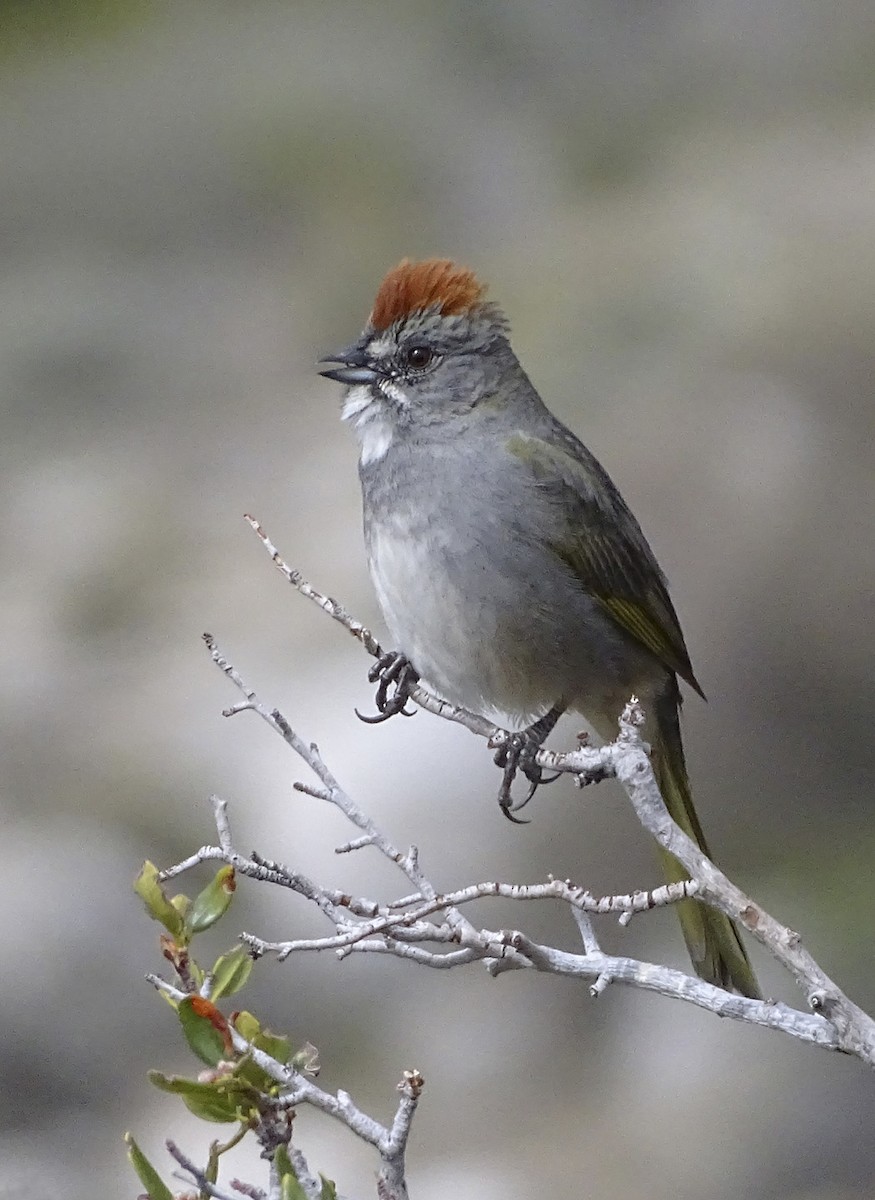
point(391, 670)
point(518, 754)
point(544, 780)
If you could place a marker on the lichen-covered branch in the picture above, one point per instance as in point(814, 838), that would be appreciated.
point(851, 1030)
point(427, 926)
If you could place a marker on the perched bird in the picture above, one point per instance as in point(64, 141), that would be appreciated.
point(511, 573)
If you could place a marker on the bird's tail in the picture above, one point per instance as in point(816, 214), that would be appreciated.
point(712, 939)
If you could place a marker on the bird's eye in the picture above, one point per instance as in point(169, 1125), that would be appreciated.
point(418, 357)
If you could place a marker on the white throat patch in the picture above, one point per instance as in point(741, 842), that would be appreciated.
point(373, 424)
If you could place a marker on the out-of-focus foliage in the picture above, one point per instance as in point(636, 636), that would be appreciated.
point(32, 27)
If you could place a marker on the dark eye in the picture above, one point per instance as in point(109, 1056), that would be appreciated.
point(418, 357)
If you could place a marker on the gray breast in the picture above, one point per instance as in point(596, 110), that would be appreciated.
point(472, 593)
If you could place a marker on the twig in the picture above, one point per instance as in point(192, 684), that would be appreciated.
point(426, 926)
point(336, 611)
point(248, 1189)
point(402, 930)
point(310, 1185)
point(296, 1089)
point(834, 1022)
point(197, 1175)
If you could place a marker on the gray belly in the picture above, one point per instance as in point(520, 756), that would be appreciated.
point(494, 623)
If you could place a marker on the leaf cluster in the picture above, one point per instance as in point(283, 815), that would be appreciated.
point(231, 1087)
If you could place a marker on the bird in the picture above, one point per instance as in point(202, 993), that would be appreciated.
point(510, 571)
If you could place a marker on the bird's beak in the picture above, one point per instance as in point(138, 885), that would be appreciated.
point(354, 368)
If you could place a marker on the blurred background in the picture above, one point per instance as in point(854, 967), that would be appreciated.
point(675, 203)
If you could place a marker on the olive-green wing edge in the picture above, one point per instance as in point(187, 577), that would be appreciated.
point(607, 561)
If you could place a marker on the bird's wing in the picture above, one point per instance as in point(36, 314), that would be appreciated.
point(599, 539)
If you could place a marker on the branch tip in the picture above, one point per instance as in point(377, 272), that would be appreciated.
point(602, 983)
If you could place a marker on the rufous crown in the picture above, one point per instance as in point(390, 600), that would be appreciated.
point(435, 283)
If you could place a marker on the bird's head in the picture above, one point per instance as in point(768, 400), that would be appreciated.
point(433, 348)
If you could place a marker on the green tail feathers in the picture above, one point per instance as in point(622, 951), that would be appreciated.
point(712, 939)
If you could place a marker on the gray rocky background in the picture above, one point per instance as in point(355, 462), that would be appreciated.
point(675, 202)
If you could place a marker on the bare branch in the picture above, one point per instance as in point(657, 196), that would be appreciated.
point(195, 1174)
point(310, 1185)
point(334, 610)
point(401, 928)
point(248, 1189)
point(392, 1184)
point(404, 928)
point(854, 1029)
point(426, 925)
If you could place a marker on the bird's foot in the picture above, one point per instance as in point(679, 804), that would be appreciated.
point(519, 753)
point(392, 671)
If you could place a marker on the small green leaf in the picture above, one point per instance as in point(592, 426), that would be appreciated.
point(212, 903)
point(205, 1029)
point(224, 1100)
point(274, 1044)
point(247, 1025)
point(277, 1047)
point(162, 1081)
point(179, 1085)
point(156, 1188)
point(290, 1189)
point(329, 1188)
point(159, 908)
point(220, 1107)
point(231, 972)
point(270, 1043)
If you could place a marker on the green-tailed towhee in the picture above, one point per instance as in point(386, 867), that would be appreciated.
point(510, 571)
